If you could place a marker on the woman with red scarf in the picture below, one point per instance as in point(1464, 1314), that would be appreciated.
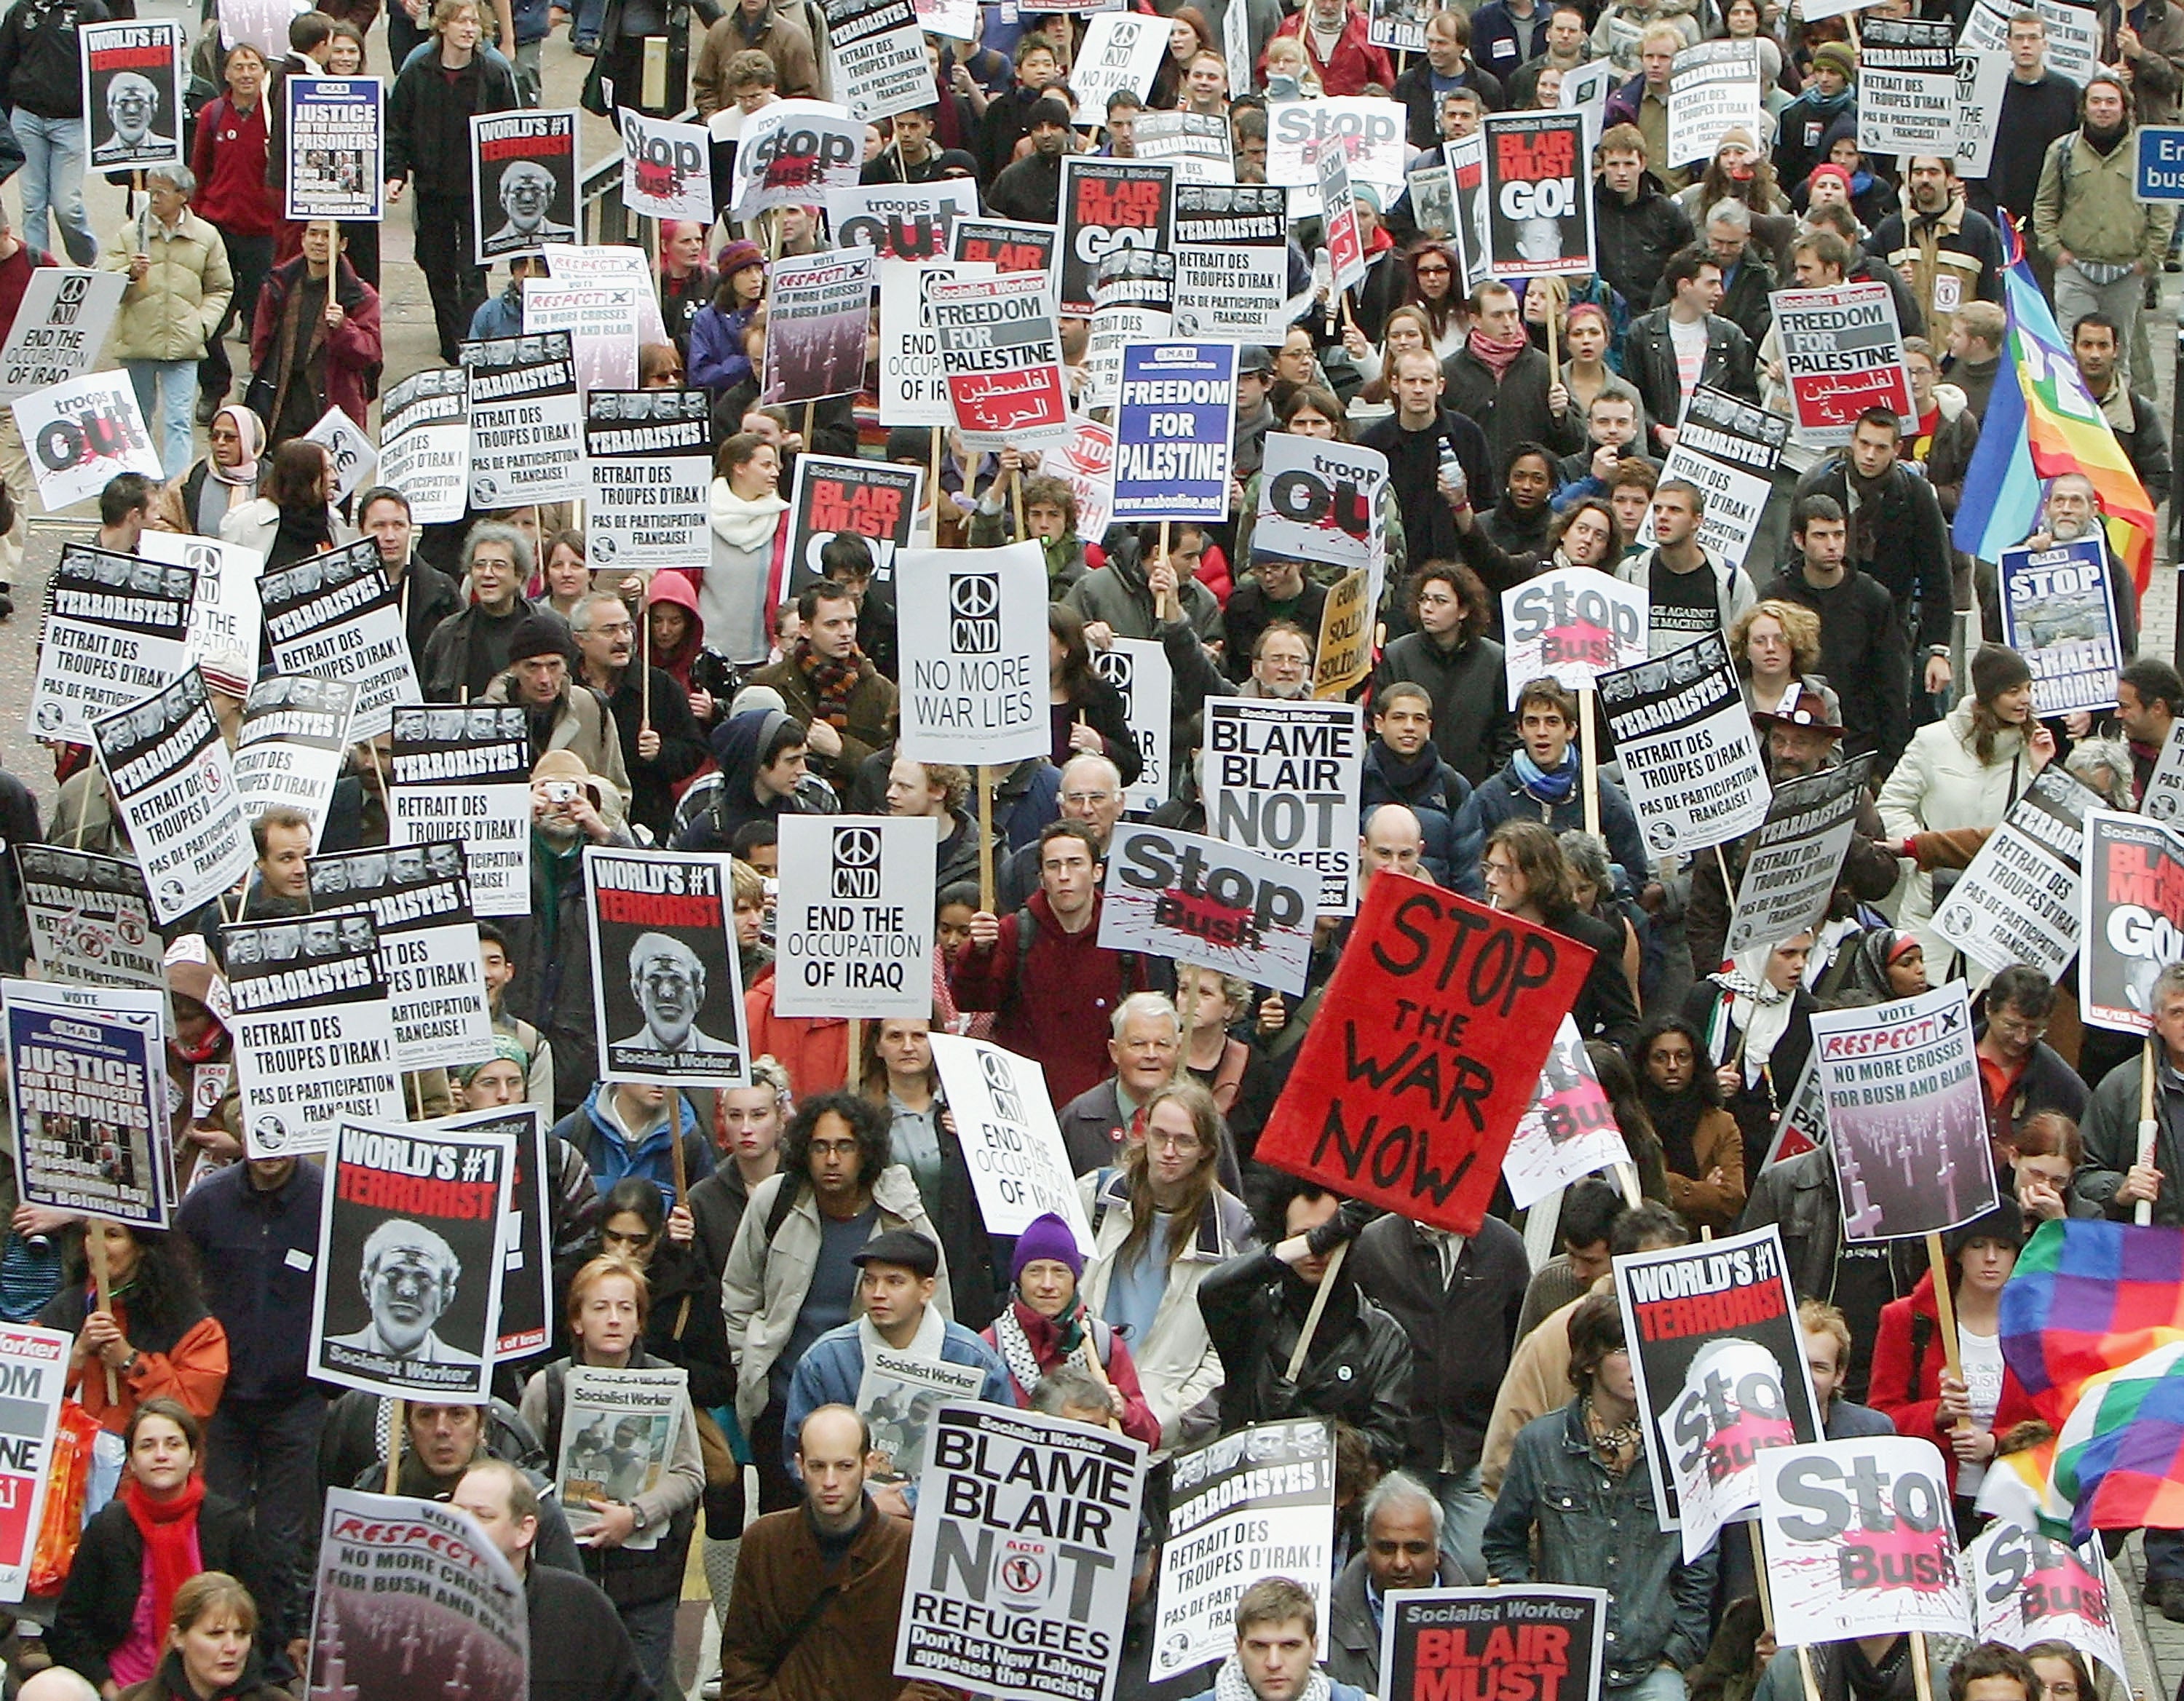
point(1045, 1325)
point(161, 1528)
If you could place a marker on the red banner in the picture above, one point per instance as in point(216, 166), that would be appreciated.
point(1428, 1046)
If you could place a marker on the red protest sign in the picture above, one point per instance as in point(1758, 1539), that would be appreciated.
point(1428, 1046)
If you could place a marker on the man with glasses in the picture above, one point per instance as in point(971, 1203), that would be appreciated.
point(1276, 590)
point(2020, 1074)
point(1100, 1121)
point(668, 982)
point(1093, 796)
point(661, 745)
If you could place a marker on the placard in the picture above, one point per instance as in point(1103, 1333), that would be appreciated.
point(1320, 501)
point(1020, 1168)
point(1380, 1106)
point(425, 443)
point(1172, 427)
point(1713, 88)
point(619, 1428)
point(913, 389)
point(1121, 50)
point(1572, 625)
point(1538, 195)
point(526, 1237)
point(2163, 800)
point(2058, 613)
point(1196, 143)
point(2028, 1589)
point(463, 772)
point(2131, 909)
point(1133, 301)
point(1170, 894)
point(2019, 901)
point(878, 53)
point(1907, 1116)
point(853, 925)
point(2073, 34)
point(1232, 273)
point(1729, 449)
point(667, 167)
point(1004, 245)
point(1338, 215)
point(35, 1363)
point(116, 629)
point(1567, 1131)
point(795, 153)
point(1690, 762)
point(1797, 857)
point(289, 748)
point(1107, 203)
point(1085, 462)
point(1284, 777)
point(598, 264)
point(133, 92)
point(1907, 87)
point(1343, 655)
point(523, 181)
point(60, 326)
point(351, 455)
point(526, 425)
point(1020, 1555)
point(89, 918)
point(602, 317)
point(80, 434)
point(665, 976)
point(1138, 669)
point(650, 456)
point(1842, 352)
point(878, 501)
point(974, 629)
point(225, 612)
point(337, 134)
point(87, 1082)
point(1372, 131)
point(336, 615)
point(1515, 1639)
point(1400, 25)
point(898, 1396)
point(420, 904)
point(902, 221)
point(818, 310)
point(1000, 360)
point(1982, 79)
point(173, 784)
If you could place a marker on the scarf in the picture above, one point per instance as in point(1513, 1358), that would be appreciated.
point(1029, 1342)
point(243, 474)
point(1616, 1444)
point(1755, 1005)
point(2104, 142)
point(831, 682)
point(1548, 789)
point(1229, 1684)
point(743, 524)
point(169, 1528)
point(1498, 354)
point(1405, 773)
point(1675, 1117)
point(1865, 513)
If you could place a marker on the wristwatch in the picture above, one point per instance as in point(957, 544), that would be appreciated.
point(638, 1519)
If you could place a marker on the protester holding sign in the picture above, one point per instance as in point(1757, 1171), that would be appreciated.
point(154, 1339)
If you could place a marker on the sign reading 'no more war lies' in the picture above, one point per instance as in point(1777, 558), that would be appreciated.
point(974, 647)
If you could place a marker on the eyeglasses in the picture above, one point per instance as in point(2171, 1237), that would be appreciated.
point(832, 1148)
point(1181, 1144)
point(1433, 271)
point(1085, 800)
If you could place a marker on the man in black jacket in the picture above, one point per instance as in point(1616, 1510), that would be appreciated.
point(1639, 225)
point(660, 744)
point(1862, 645)
point(2037, 106)
point(1413, 438)
point(1030, 188)
point(1656, 353)
point(427, 595)
point(1517, 399)
point(1748, 277)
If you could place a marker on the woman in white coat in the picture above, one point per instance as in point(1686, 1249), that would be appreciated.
point(737, 592)
point(1160, 1222)
point(293, 515)
point(1957, 779)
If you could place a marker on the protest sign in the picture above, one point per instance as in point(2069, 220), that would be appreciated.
point(463, 772)
point(419, 903)
point(2130, 912)
point(1020, 1168)
point(666, 980)
point(2028, 1589)
point(618, 1434)
point(795, 153)
point(87, 1082)
point(1133, 301)
point(412, 1598)
point(602, 316)
point(337, 148)
point(2163, 799)
point(1020, 1555)
point(973, 627)
point(2018, 902)
point(1086, 464)
point(262, 23)
point(1173, 426)
point(898, 1396)
point(526, 1290)
point(2074, 34)
point(425, 443)
point(81, 433)
point(132, 93)
point(1236, 49)
point(1003, 245)
point(1320, 501)
point(1443, 1013)
point(1842, 354)
point(1370, 131)
point(1432, 189)
point(1683, 736)
point(351, 455)
point(314, 1032)
point(853, 925)
point(913, 389)
point(1567, 1131)
point(1803, 1126)
point(1585, 91)
point(1859, 1540)
point(878, 501)
point(1175, 894)
point(224, 611)
point(1261, 1500)
point(1232, 262)
point(957, 19)
point(1109, 203)
point(1794, 864)
point(334, 614)
point(33, 1367)
point(1399, 23)
point(288, 750)
point(1714, 88)
point(1538, 195)
point(818, 310)
point(1343, 655)
point(523, 182)
point(1346, 246)
point(1138, 669)
point(1907, 1116)
point(1000, 359)
point(649, 452)
point(117, 630)
point(89, 918)
point(173, 783)
point(1982, 79)
point(1121, 50)
point(667, 167)
point(600, 264)
point(1284, 777)
point(1907, 87)
point(1515, 1639)
point(59, 328)
point(1721, 1369)
point(1467, 171)
point(1730, 450)
point(406, 1296)
point(2058, 613)
point(1197, 144)
point(903, 221)
point(526, 425)
point(1572, 625)
point(878, 53)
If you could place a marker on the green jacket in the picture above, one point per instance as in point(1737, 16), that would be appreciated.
point(2085, 204)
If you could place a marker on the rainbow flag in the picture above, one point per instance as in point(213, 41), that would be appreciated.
point(2041, 422)
point(2087, 1297)
point(2119, 1459)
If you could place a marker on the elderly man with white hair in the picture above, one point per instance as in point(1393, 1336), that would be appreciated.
point(1147, 1048)
point(1402, 1525)
point(1091, 793)
point(177, 294)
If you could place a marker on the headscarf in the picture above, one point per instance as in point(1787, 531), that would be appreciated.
point(245, 472)
point(1755, 1005)
point(504, 1046)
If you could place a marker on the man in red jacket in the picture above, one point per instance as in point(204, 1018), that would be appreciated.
point(1339, 42)
point(1056, 990)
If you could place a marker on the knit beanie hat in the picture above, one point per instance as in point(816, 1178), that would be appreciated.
point(1838, 54)
point(1995, 670)
point(738, 254)
point(1048, 1237)
point(541, 633)
point(1834, 171)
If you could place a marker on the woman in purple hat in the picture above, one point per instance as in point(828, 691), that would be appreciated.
point(1045, 1325)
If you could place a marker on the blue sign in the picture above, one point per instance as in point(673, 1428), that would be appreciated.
point(1173, 426)
point(2161, 175)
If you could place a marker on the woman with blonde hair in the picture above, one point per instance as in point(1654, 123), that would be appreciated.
point(210, 1633)
point(1775, 647)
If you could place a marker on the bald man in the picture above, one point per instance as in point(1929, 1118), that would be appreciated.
point(1393, 842)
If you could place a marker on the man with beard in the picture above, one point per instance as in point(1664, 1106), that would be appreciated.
point(1031, 188)
point(561, 714)
point(2102, 240)
point(660, 743)
point(1953, 252)
point(1861, 639)
point(2072, 516)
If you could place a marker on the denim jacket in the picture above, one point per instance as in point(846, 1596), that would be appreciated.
point(1599, 1532)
